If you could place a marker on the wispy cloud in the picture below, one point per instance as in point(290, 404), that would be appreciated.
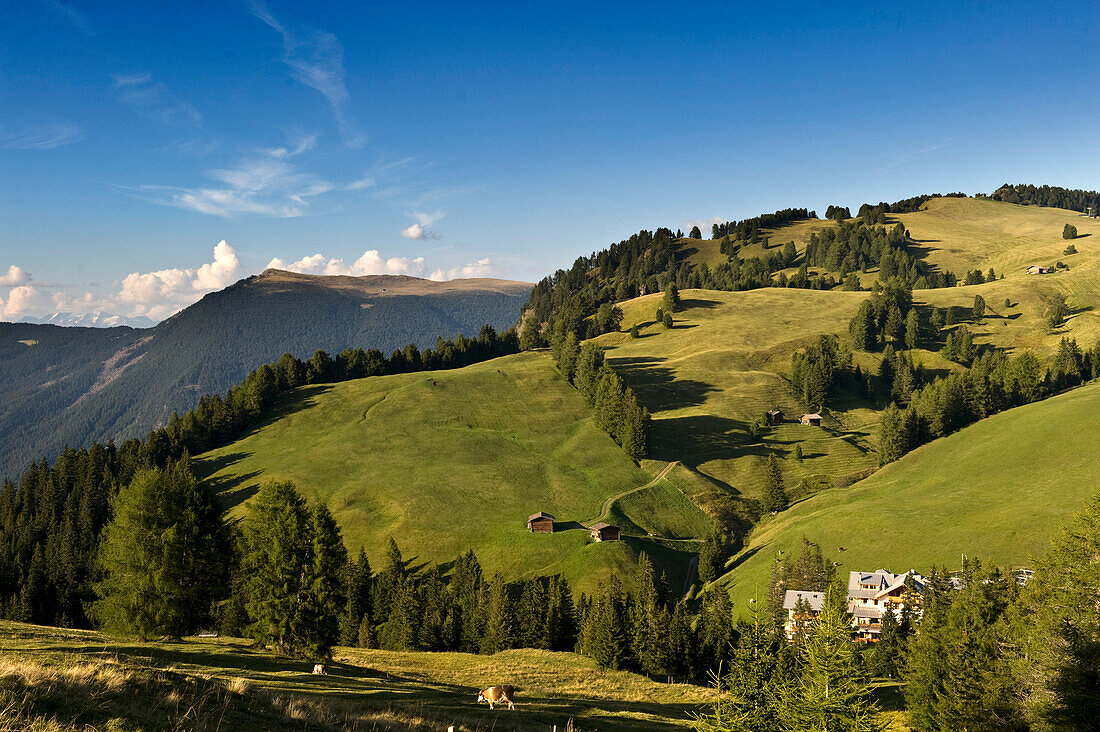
point(371, 262)
point(302, 144)
point(65, 10)
point(269, 186)
point(912, 155)
point(155, 100)
point(316, 59)
point(40, 137)
point(16, 276)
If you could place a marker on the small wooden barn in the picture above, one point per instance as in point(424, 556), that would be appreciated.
point(813, 420)
point(774, 417)
point(604, 532)
point(540, 523)
point(1036, 269)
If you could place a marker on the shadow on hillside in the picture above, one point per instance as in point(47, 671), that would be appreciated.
point(698, 302)
point(287, 404)
point(569, 526)
point(706, 436)
point(657, 387)
point(738, 561)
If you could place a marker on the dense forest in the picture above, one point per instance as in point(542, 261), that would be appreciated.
point(72, 386)
point(1073, 199)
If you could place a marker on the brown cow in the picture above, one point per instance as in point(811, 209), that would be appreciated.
point(497, 694)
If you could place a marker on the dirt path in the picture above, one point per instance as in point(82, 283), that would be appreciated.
point(607, 504)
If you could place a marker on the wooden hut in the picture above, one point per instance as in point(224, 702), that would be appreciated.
point(604, 532)
point(540, 523)
point(774, 417)
point(813, 420)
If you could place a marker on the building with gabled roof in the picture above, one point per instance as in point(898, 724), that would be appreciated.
point(802, 607)
point(540, 523)
point(604, 532)
point(870, 596)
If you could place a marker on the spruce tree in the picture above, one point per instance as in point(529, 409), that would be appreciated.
point(500, 631)
point(671, 301)
point(832, 692)
point(326, 591)
point(775, 495)
point(912, 329)
point(979, 306)
point(357, 588)
point(164, 556)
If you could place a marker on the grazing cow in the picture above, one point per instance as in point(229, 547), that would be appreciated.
point(496, 695)
point(319, 669)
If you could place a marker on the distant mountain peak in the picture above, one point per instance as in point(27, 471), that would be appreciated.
point(96, 319)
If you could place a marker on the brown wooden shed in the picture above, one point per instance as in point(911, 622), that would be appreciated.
point(774, 417)
point(604, 532)
point(814, 420)
point(540, 523)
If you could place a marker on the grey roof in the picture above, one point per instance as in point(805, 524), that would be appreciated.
point(601, 525)
point(539, 515)
point(865, 611)
point(816, 600)
point(815, 415)
point(884, 583)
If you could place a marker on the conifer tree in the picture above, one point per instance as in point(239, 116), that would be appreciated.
point(775, 495)
point(979, 306)
point(326, 591)
point(671, 302)
point(500, 622)
point(357, 587)
point(832, 692)
point(862, 328)
point(912, 329)
point(606, 639)
point(164, 555)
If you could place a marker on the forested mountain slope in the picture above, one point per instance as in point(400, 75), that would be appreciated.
point(69, 386)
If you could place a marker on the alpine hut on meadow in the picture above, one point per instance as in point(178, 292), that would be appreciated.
point(814, 420)
point(774, 417)
point(604, 532)
point(540, 523)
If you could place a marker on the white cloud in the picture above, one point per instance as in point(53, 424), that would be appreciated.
point(303, 144)
point(162, 293)
point(318, 62)
point(265, 186)
point(371, 262)
point(155, 100)
point(419, 230)
point(40, 136)
point(481, 268)
point(704, 224)
point(24, 300)
point(362, 183)
point(15, 276)
point(416, 231)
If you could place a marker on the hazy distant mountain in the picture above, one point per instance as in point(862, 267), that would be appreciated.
point(69, 386)
point(91, 320)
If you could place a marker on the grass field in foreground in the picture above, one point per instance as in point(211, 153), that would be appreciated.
point(996, 490)
point(88, 678)
point(448, 461)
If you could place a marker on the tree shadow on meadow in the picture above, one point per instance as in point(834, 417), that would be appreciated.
point(657, 387)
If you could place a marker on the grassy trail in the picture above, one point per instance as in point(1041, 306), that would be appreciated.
point(607, 504)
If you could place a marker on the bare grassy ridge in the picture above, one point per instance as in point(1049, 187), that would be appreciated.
point(53, 679)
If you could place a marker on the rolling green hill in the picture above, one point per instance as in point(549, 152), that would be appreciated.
point(76, 385)
point(454, 460)
point(996, 490)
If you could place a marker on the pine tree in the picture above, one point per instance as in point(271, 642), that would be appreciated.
point(912, 329)
point(667, 320)
point(671, 302)
point(277, 563)
point(862, 328)
point(753, 685)
point(979, 306)
point(357, 586)
point(164, 556)
point(832, 692)
point(500, 631)
point(605, 635)
point(326, 592)
point(775, 495)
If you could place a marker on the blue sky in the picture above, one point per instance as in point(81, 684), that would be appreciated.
point(496, 139)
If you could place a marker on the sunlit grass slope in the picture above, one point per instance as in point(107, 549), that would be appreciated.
point(996, 490)
point(85, 680)
point(449, 461)
point(720, 368)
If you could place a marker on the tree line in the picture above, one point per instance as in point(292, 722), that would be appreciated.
point(617, 409)
point(1073, 199)
point(853, 246)
point(51, 521)
point(748, 230)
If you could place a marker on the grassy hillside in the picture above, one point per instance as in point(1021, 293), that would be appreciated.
point(996, 490)
point(453, 460)
point(49, 400)
point(85, 680)
point(719, 369)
